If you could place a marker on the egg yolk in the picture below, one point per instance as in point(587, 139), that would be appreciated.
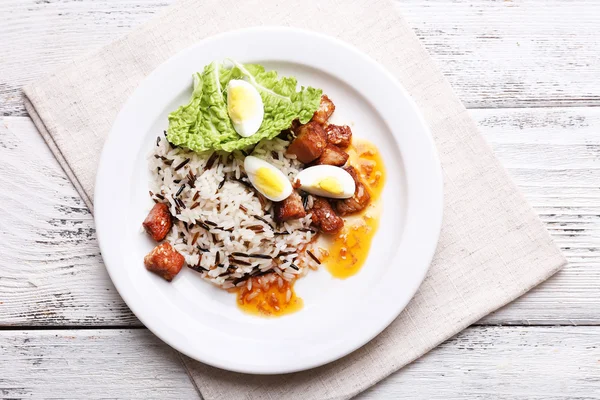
point(241, 104)
point(331, 185)
point(268, 182)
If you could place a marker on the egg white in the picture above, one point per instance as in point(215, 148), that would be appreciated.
point(310, 179)
point(252, 165)
point(249, 124)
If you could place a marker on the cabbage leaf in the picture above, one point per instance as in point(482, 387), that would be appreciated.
point(203, 124)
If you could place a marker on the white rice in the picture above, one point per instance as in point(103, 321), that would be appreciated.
point(233, 208)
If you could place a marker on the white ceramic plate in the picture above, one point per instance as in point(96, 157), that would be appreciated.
point(339, 316)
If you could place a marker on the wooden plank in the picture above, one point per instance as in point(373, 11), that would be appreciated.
point(494, 363)
point(492, 53)
point(549, 363)
point(553, 156)
point(513, 53)
point(90, 364)
point(52, 270)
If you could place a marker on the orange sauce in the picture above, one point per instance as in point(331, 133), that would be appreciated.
point(268, 299)
point(347, 251)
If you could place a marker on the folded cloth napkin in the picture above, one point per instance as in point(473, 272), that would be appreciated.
point(492, 249)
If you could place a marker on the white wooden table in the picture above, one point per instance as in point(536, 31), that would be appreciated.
point(528, 70)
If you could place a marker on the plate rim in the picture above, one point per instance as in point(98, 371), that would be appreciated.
point(435, 222)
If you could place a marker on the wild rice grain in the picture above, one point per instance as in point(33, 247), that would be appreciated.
point(182, 164)
point(192, 179)
point(258, 217)
point(305, 202)
point(313, 257)
point(239, 262)
point(211, 161)
point(221, 184)
point(180, 190)
point(256, 228)
point(203, 225)
point(258, 255)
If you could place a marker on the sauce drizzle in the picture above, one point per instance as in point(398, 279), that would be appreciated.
point(345, 254)
point(268, 296)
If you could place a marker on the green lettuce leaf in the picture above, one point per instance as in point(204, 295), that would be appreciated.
point(203, 124)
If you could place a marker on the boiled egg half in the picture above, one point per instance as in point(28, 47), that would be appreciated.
point(245, 107)
point(327, 181)
point(267, 179)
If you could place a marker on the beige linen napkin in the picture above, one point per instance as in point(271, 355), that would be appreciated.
point(492, 248)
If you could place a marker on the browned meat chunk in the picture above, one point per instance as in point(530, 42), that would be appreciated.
point(326, 108)
point(332, 155)
point(341, 136)
point(290, 208)
point(164, 261)
point(309, 143)
point(358, 201)
point(158, 222)
point(324, 218)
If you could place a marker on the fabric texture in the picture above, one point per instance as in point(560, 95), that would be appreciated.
point(492, 249)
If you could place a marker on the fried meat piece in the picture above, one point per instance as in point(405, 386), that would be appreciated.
point(309, 143)
point(326, 108)
point(358, 201)
point(164, 261)
point(158, 222)
point(324, 218)
point(332, 155)
point(341, 136)
point(290, 208)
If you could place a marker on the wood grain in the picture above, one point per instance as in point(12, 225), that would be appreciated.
point(53, 273)
point(481, 363)
point(491, 51)
point(513, 53)
point(554, 157)
point(90, 364)
point(492, 363)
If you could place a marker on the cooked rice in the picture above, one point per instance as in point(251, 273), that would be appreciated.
point(222, 226)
